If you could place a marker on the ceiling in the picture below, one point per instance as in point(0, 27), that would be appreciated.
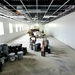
point(38, 10)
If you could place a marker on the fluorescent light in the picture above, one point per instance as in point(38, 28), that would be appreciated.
point(48, 16)
point(44, 21)
point(34, 18)
point(36, 24)
point(17, 16)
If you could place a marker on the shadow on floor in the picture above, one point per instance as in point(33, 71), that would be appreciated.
point(18, 67)
point(57, 51)
point(30, 54)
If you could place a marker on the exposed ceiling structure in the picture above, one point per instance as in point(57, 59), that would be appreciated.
point(42, 11)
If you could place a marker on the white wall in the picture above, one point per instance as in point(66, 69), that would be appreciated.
point(63, 29)
point(41, 27)
point(7, 36)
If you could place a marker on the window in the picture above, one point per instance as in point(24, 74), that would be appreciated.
point(16, 28)
point(20, 28)
point(1, 28)
point(10, 28)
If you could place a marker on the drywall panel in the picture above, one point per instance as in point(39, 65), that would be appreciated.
point(41, 27)
point(63, 29)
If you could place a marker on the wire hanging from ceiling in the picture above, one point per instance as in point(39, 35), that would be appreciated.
point(59, 8)
point(48, 8)
point(25, 9)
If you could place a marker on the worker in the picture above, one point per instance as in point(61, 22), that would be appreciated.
point(47, 46)
point(42, 33)
point(32, 41)
point(43, 48)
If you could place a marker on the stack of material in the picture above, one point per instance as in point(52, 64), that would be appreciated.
point(15, 48)
point(9, 52)
point(37, 34)
point(24, 50)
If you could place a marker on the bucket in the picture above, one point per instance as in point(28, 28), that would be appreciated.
point(20, 54)
point(5, 49)
point(12, 56)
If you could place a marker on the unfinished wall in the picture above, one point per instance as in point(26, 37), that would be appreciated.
point(7, 35)
point(63, 29)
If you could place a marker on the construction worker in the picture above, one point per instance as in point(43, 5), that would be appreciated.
point(47, 46)
point(32, 41)
point(43, 48)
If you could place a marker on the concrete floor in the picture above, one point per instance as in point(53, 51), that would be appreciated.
point(60, 62)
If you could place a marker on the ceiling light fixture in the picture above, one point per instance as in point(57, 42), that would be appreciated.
point(48, 16)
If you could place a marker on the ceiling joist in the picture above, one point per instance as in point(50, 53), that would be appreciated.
point(43, 10)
